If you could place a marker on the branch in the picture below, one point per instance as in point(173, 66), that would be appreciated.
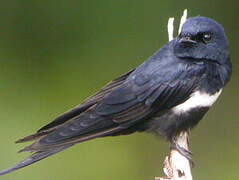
point(176, 166)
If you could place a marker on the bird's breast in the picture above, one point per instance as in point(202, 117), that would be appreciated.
point(197, 99)
point(183, 116)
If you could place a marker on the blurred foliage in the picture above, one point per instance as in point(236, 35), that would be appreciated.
point(53, 54)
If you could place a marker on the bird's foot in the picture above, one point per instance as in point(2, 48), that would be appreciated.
point(186, 153)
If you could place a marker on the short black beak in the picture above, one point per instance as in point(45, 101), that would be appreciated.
point(187, 40)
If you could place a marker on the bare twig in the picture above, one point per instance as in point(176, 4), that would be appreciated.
point(170, 28)
point(183, 19)
point(176, 166)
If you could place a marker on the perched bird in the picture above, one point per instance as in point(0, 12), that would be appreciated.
point(167, 94)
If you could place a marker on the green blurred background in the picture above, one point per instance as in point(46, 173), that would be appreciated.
point(55, 53)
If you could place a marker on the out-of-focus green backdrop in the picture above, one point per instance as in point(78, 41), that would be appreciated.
point(55, 53)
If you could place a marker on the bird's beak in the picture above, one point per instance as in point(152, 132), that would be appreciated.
point(187, 40)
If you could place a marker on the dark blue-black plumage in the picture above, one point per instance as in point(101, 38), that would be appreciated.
point(167, 94)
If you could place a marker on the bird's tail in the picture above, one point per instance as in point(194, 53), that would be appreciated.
point(37, 156)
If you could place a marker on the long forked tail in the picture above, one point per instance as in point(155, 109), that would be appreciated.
point(37, 156)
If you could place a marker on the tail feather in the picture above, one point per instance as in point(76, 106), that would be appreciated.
point(32, 137)
point(37, 156)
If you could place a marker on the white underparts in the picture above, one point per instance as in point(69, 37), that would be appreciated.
point(198, 99)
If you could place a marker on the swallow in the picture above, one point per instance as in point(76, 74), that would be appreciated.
point(167, 94)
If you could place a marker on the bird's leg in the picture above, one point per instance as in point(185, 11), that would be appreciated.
point(186, 153)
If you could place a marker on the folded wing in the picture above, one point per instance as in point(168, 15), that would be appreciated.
point(118, 107)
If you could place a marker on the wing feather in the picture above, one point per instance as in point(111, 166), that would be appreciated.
point(73, 113)
point(117, 108)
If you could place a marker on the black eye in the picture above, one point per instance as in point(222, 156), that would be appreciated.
point(206, 37)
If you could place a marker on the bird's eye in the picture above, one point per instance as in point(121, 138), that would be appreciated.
point(206, 37)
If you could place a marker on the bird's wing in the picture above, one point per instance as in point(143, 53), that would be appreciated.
point(61, 120)
point(136, 98)
point(90, 101)
point(140, 95)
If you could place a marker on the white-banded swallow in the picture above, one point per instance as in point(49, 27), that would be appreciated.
point(167, 94)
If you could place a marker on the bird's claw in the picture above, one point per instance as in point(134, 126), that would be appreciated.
point(186, 153)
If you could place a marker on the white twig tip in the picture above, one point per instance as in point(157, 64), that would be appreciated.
point(170, 29)
point(183, 19)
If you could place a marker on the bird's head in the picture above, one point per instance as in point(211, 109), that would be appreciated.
point(202, 38)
